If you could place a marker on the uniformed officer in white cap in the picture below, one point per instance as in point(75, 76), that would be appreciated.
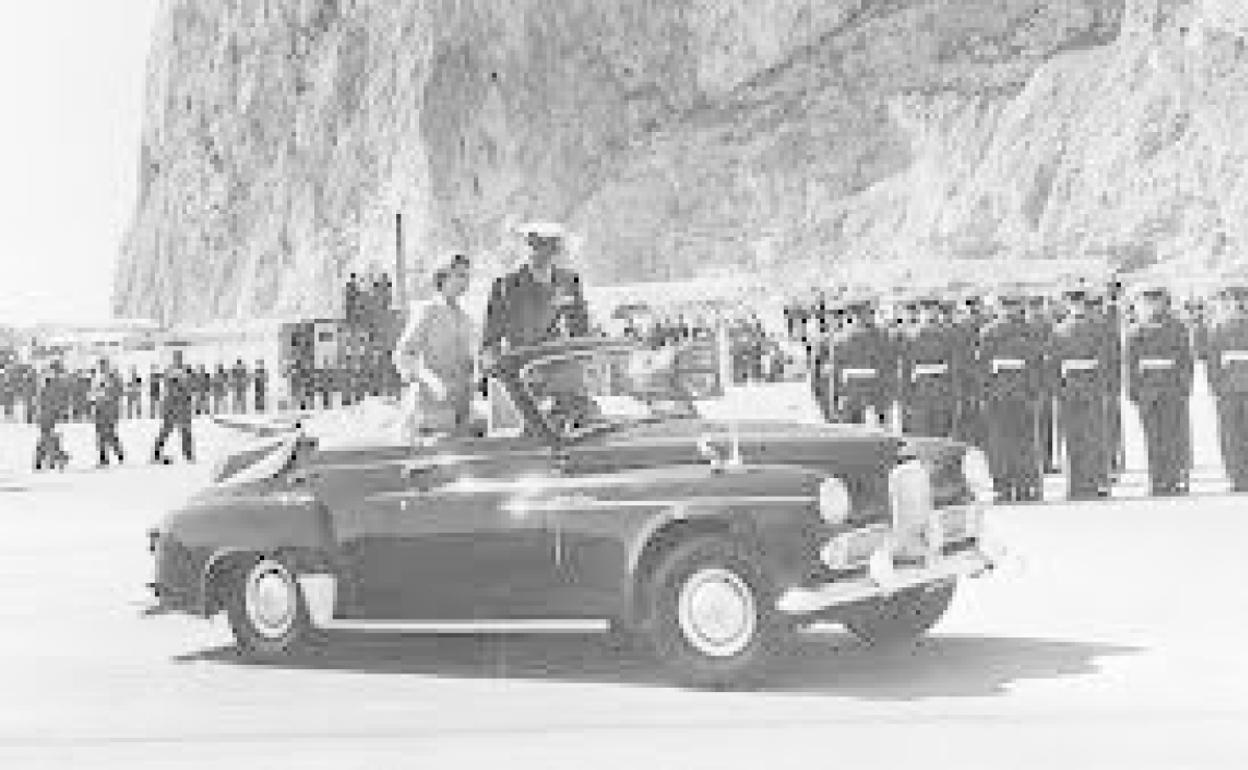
point(540, 301)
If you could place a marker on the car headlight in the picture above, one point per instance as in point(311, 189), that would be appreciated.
point(834, 502)
point(978, 475)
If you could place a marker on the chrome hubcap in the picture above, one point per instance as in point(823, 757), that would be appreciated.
point(270, 599)
point(716, 612)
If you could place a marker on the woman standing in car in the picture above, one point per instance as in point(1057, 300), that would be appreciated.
point(435, 355)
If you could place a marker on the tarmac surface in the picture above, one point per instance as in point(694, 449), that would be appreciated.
point(1114, 637)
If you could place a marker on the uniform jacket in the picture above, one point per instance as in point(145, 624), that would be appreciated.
point(1012, 361)
point(53, 401)
point(1228, 357)
point(524, 311)
point(932, 364)
point(106, 398)
point(864, 365)
point(1159, 361)
point(1080, 359)
point(179, 384)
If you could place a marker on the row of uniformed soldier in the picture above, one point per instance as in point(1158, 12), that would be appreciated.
point(1004, 382)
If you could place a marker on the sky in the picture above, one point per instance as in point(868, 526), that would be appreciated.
point(71, 84)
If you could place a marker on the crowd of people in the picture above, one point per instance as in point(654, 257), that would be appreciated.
point(1022, 375)
point(1025, 376)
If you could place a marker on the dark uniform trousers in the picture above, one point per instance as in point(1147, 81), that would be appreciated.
point(52, 406)
point(1160, 370)
point(1012, 376)
point(820, 386)
point(1080, 361)
point(1228, 380)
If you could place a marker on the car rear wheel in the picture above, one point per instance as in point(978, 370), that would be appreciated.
point(267, 611)
point(710, 613)
point(902, 617)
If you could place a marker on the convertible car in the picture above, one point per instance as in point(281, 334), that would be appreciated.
point(594, 497)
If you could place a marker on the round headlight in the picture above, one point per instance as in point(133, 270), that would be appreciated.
point(834, 502)
point(978, 475)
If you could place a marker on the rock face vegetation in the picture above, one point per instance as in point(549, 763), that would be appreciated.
point(779, 137)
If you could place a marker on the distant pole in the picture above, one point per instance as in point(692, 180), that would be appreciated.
point(400, 273)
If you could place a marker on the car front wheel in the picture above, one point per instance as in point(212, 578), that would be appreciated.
point(902, 617)
point(711, 616)
point(267, 611)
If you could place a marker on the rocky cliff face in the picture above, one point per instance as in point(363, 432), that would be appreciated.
point(780, 136)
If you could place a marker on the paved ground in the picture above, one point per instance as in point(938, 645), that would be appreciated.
point(1116, 638)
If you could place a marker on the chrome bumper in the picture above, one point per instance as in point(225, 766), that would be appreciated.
point(883, 576)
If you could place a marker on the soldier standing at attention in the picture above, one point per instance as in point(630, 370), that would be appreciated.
point(107, 394)
point(203, 389)
point(1012, 373)
point(1227, 356)
point(968, 325)
point(238, 378)
point(153, 391)
point(864, 368)
point(1112, 320)
point(8, 388)
point(539, 302)
point(176, 410)
point(1160, 367)
point(1079, 366)
point(823, 341)
point(931, 373)
point(1040, 316)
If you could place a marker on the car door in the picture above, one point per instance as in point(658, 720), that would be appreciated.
point(458, 538)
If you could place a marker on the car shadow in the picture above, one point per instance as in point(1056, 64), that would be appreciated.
point(819, 663)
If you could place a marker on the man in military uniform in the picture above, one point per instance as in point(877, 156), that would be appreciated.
point(864, 367)
point(260, 381)
point(134, 394)
point(1227, 356)
point(1040, 314)
point(106, 411)
point(967, 326)
point(1012, 373)
point(176, 410)
point(1112, 320)
point(52, 406)
point(220, 383)
point(1160, 368)
point(822, 352)
point(153, 391)
point(238, 379)
point(1080, 363)
point(539, 302)
point(203, 389)
point(931, 374)
point(8, 389)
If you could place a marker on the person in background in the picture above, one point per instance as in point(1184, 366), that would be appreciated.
point(202, 388)
point(238, 379)
point(153, 391)
point(106, 411)
point(8, 389)
point(176, 410)
point(1160, 369)
point(260, 380)
point(1012, 374)
point(220, 383)
point(1080, 363)
point(1227, 356)
point(435, 354)
point(52, 406)
point(134, 395)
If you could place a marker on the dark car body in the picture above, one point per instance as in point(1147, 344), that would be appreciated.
point(540, 525)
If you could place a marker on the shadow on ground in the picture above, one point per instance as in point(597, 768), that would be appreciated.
point(821, 663)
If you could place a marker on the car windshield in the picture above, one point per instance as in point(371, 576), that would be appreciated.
point(587, 392)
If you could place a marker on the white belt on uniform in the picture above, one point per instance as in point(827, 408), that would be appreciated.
point(1007, 364)
point(858, 374)
point(1156, 363)
point(1229, 356)
point(1079, 365)
point(930, 369)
